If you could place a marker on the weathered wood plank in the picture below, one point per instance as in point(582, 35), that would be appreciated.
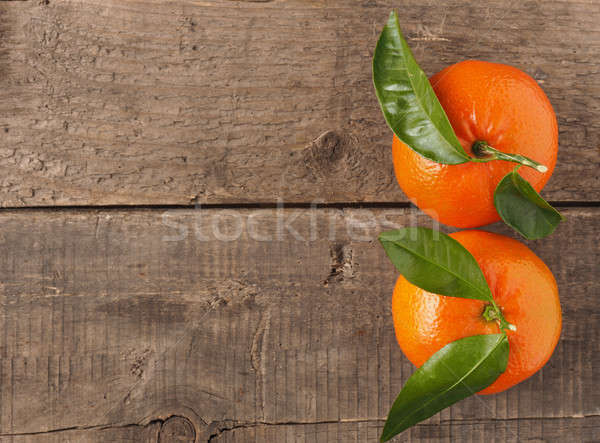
point(151, 102)
point(116, 318)
point(518, 430)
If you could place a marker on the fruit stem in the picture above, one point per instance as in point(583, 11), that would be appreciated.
point(493, 313)
point(485, 153)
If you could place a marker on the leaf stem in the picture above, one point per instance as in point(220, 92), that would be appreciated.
point(492, 312)
point(485, 153)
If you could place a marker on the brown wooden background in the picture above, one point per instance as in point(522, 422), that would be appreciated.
point(139, 138)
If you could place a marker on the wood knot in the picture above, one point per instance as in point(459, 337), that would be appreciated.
point(342, 263)
point(327, 147)
point(324, 156)
point(139, 362)
point(177, 429)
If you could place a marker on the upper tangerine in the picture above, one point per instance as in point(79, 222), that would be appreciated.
point(484, 101)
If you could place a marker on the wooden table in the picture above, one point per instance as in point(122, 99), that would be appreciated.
point(152, 286)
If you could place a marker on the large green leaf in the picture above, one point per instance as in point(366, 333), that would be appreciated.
point(523, 209)
point(435, 262)
point(457, 371)
point(409, 104)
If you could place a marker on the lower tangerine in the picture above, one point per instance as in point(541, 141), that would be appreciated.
point(522, 286)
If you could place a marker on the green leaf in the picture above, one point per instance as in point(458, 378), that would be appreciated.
point(457, 371)
point(435, 262)
point(408, 102)
point(523, 209)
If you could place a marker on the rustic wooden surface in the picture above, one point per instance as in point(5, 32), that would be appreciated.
point(114, 319)
point(156, 102)
point(247, 323)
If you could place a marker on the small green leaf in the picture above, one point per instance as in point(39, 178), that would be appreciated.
point(523, 209)
point(455, 372)
point(408, 101)
point(435, 262)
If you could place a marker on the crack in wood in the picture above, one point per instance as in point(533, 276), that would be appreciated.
point(101, 427)
point(257, 356)
point(229, 425)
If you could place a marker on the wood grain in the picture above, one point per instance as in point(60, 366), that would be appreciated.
point(478, 430)
point(113, 321)
point(151, 102)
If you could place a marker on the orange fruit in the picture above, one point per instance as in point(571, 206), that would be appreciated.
point(522, 286)
point(484, 101)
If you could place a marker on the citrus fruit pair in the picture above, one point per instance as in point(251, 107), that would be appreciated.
point(504, 107)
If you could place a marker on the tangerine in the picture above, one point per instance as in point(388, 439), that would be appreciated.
point(522, 286)
point(489, 102)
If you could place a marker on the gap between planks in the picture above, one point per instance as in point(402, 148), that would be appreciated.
point(265, 205)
